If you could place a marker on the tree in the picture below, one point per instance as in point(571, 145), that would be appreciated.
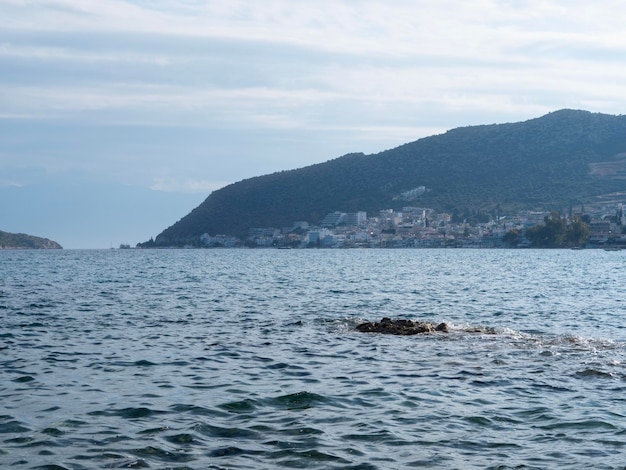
point(578, 232)
point(550, 234)
point(555, 233)
point(512, 237)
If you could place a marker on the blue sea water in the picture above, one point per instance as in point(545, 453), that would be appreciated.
point(249, 359)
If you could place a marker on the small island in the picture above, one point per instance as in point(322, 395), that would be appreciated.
point(21, 241)
point(401, 327)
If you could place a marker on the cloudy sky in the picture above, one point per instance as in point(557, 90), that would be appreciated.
point(182, 97)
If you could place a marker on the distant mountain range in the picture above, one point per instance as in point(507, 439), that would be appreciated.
point(23, 241)
point(548, 163)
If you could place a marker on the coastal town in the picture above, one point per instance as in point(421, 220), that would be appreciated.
point(417, 227)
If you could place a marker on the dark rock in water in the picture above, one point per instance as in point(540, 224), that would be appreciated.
point(401, 327)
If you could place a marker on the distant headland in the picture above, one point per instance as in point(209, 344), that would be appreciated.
point(21, 241)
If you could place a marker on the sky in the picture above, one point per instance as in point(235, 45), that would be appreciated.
point(117, 117)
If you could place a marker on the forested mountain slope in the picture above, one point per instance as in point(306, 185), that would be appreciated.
point(544, 163)
point(23, 241)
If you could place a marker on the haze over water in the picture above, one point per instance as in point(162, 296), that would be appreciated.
point(250, 359)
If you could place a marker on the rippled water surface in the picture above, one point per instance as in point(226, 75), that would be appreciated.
point(249, 359)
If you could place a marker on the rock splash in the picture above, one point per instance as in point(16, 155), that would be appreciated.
point(401, 327)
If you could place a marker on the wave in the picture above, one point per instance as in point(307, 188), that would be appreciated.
point(460, 331)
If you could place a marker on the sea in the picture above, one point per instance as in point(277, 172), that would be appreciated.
point(250, 359)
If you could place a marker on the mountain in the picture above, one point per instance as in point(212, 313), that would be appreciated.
point(547, 163)
point(23, 241)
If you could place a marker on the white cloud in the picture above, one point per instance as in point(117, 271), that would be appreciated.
point(10, 184)
point(67, 54)
point(394, 28)
point(367, 71)
point(186, 186)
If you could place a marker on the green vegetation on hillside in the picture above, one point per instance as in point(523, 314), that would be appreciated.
point(554, 232)
point(474, 172)
point(22, 241)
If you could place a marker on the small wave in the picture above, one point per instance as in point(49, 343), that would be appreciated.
point(240, 406)
point(306, 458)
point(589, 424)
point(553, 344)
point(32, 325)
point(594, 373)
point(154, 430)
point(575, 343)
point(156, 453)
point(478, 421)
point(12, 427)
point(597, 343)
point(128, 413)
point(196, 410)
point(50, 467)
point(226, 432)
point(299, 400)
point(182, 439)
point(24, 379)
point(478, 329)
point(122, 461)
point(232, 451)
point(54, 432)
point(144, 363)
point(229, 451)
point(35, 305)
point(25, 441)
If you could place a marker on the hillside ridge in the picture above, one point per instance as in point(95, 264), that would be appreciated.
point(544, 163)
point(10, 240)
